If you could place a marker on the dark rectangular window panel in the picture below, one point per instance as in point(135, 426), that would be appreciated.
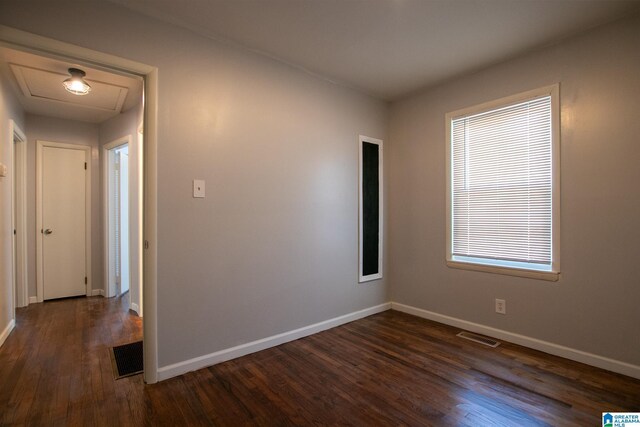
point(370, 208)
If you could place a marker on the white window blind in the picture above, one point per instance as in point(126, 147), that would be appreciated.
point(501, 194)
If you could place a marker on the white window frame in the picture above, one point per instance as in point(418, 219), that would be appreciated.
point(478, 265)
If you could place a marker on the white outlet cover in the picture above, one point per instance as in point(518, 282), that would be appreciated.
point(198, 188)
point(501, 306)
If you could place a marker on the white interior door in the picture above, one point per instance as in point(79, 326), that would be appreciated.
point(63, 222)
point(123, 198)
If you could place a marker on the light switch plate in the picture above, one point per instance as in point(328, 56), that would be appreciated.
point(3, 169)
point(198, 188)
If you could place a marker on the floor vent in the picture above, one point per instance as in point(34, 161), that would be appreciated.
point(479, 339)
point(127, 360)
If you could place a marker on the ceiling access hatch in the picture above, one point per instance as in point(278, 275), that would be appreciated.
point(47, 85)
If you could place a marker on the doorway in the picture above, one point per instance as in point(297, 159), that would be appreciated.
point(122, 202)
point(21, 40)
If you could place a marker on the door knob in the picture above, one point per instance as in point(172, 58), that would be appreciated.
point(48, 231)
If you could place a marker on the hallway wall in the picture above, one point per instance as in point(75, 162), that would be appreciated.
point(274, 245)
point(10, 109)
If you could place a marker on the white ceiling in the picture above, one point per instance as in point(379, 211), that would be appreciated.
point(37, 81)
point(387, 48)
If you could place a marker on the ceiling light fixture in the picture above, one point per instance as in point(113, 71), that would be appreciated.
point(76, 84)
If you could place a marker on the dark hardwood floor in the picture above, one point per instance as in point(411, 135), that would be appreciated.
point(387, 369)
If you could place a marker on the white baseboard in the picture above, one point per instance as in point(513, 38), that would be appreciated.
point(97, 292)
point(133, 306)
point(33, 300)
point(7, 331)
point(180, 368)
point(613, 365)
point(536, 344)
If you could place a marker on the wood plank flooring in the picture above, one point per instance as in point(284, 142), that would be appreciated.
point(387, 369)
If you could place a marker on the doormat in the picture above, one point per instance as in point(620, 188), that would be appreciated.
point(127, 360)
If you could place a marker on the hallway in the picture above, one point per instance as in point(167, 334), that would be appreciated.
point(56, 367)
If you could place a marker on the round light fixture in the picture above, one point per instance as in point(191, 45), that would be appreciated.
point(76, 84)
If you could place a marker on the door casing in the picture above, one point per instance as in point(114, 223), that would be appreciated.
point(18, 158)
point(22, 40)
point(39, 225)
point(107, 152)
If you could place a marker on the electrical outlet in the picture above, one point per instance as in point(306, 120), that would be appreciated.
point(501, 306)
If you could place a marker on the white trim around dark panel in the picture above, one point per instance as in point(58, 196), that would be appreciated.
point(361, 277)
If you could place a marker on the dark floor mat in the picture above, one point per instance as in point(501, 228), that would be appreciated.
point(127, 359)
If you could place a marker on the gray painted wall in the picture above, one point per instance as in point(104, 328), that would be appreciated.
point(70, 132)
point(273, 246)
point(126, 123)
point(594, 305)
point(10, 109)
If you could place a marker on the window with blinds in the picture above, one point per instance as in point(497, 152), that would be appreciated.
point(502, 183)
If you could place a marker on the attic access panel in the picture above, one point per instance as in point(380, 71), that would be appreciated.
point(47, 85)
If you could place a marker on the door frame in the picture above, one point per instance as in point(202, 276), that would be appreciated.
point(29, 42)
point(19, 222)
point(106, 218)
point(40, 145)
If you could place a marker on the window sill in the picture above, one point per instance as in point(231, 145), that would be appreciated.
point(531, 274)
